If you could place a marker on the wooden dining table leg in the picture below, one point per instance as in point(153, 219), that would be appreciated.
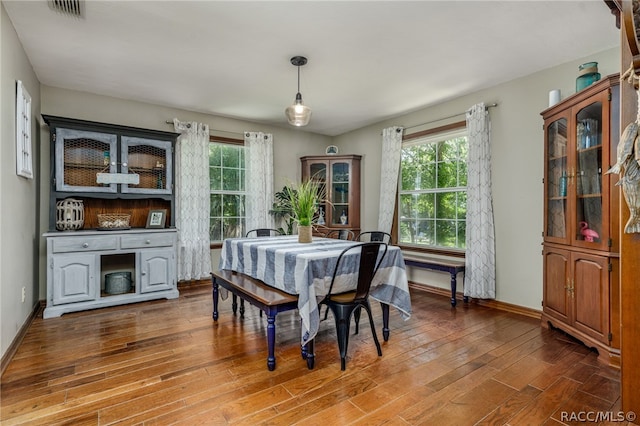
point(309, 354)
point(215, 300)
point(307, 351)
point(385, 321)
point(271, 340)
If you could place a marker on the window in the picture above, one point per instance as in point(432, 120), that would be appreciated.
point(433, 190)
point(226, 181)
point(24, 162)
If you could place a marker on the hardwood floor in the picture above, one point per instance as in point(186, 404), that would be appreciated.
point(167, 362)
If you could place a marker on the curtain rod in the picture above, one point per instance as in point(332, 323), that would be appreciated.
point(211, 130)
point(450, 116)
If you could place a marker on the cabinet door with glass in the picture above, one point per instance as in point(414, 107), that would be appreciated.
point(340, 190)
point(593, 153)
point(556, 180)
point(340, 175)
point(319, 171)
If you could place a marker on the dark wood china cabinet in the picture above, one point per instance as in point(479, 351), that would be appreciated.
point(341, 176)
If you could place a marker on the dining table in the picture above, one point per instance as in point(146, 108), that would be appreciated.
point(306, 270)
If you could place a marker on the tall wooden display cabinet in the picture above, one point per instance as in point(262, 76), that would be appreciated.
point(581, 219)
point(340, 174)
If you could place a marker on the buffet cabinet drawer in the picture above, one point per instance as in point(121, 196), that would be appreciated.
point(147, 240)
point(84, 243)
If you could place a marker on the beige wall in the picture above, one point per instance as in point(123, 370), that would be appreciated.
point(517, 168)
point(18, 196)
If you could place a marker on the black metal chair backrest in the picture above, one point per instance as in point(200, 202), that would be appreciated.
point(369, 263)
point(374, 236)
point(264, 232)
point(341, 234)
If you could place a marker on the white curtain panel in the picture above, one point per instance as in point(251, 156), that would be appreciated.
point(192, 200)
point(480, 270)
point(390, 168)
point(258, 179)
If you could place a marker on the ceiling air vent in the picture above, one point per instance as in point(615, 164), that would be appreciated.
point(73, 8)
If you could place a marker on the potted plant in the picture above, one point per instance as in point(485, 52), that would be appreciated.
point(303, 203)
point(281, 211)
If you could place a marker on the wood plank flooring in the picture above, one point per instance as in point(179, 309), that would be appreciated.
point(166, 362)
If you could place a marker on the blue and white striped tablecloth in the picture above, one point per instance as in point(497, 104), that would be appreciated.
point(306, 270)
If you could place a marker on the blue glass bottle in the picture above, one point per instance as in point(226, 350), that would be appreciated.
point(563, 185)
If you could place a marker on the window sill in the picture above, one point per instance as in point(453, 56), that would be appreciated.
point(458, 254)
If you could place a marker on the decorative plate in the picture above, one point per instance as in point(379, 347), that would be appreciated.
point(331, 150)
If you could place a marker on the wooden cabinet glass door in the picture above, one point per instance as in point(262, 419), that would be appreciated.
point(318, 172)
point(557, 179)
point(589, 229)
point(340, 193)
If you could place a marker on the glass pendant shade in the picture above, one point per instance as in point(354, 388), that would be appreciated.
point(298, 114)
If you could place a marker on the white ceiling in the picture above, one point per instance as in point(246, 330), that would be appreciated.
point(368, 60)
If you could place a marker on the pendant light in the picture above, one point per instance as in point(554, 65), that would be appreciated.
point(298, 114)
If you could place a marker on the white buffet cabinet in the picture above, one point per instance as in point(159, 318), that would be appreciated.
point(79, 261)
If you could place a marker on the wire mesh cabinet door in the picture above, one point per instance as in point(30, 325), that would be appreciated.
point(80, 156)
point(152, 161)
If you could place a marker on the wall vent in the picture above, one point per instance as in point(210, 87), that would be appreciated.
point(73, 8)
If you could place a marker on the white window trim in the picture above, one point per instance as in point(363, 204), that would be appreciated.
point(24, 157)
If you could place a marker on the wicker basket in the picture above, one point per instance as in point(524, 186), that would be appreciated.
point(113, 220)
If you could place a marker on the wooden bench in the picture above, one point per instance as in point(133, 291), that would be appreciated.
point(438, 264)
point(269, 299)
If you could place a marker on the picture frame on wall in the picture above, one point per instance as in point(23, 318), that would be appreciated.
point(156, 218)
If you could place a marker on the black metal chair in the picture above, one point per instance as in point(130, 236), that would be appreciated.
point(264, 232)
point(369, 236)
point(341, 234)
point(343, 305)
